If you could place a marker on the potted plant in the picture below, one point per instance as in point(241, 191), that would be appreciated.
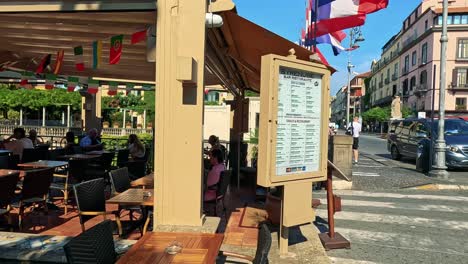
point(139, 126)
point(115, 124)
point(105, 124)
point(149, 125)
point(128, 125)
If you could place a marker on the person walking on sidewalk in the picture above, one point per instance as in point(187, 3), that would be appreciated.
point(354, 129)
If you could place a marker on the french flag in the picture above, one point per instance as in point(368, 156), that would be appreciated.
point(334, 15)
point(334, 39)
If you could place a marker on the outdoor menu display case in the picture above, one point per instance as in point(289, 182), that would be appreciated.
point(294, 112)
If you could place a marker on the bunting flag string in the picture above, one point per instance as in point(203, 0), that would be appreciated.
point(112, 88)
point(50, 81)
point(93, 86)
point(72, 83)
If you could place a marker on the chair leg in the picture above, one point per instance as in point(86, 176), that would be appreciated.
point(145, 226)
point(119, 225)
point(46, 208)
point(20, 216)
point(65, 201)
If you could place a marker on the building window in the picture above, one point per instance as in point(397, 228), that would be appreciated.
point(212, 97)
point(462, 52)
point(412, 83)
point(464, 19)
point(460, 103)
point(405, 87)
point(426, 25)
point(460, 77)
point(424, 53)
point(439, 20)
point(457, 20)
point(414, 58)
point(406, 68)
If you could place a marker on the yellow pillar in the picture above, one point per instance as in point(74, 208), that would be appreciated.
point(91, 111)
point(180, 47)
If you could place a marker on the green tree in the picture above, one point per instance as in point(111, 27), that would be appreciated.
point(377, 114)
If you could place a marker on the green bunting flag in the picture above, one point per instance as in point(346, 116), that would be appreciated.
point(72, 83)
point(93, 86)
point(112, 88)
point(50, 81)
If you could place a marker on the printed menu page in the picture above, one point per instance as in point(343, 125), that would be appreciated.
point(299, 122)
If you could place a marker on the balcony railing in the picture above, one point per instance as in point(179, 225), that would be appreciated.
point(387, 81)
point(404, 71)
point(394, 77)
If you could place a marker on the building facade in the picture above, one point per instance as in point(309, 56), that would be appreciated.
point(410, 61)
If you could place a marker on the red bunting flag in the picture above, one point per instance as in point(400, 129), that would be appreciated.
point(50, 81)
point(115, 49)
point(44, 63)
point(93, 86)
point(72, 83)
point(79, 61)
point(59, 61)
point(138, 36)
point(112, 88)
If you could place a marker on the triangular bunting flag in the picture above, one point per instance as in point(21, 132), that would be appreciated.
point(115, 49)
point(112, 88)
point(93, 86)
point(129, 88)
point(97, 51)
point(138, 36)
point(59, 61)
point(79, 60)
point(50, 81)
point(72, 83)
point(25, 77)
point(44, 63)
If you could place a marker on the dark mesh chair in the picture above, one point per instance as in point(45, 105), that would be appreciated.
point(14, 161)
point(263, 247)
point(95, 245)
point(4, 162)
point(35, 189)
point(56, 153)
point(31, 155)
point(64, 182)
point(122, 157)
point(91, 202)
point(7, 193)
point(221, 190)
point(120, 182)
point(77, 149)
point(101, 167)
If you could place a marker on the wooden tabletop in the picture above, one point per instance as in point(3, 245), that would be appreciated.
point(196, 248)
point(6, 172)
point(44, 164)
point(79, 156)
point(133, 197)
point(146, 181)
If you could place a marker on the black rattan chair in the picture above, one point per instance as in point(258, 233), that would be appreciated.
point(120, 182)
point(95, 245)
point(7, 192)
point(122, 157)
point(91, 202)
point(263, 247)
point(4, 162)
point(31, 155)
point(35, 189)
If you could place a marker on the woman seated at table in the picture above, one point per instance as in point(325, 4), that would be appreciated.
point(70, 143)
point(33, 137)
point(217, 166)
point(17, 142)
point(136, 148)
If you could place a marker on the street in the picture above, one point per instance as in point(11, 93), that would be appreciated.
point(388, 220)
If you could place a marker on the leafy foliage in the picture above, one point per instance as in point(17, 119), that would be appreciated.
point(377, 114)
point(115, 142)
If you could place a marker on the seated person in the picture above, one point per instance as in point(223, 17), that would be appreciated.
point(33, 137)
point(215, 144)
point(136, 148)
point(217, 162)
point(70, 138)
point(18, 142)
point(91, 142)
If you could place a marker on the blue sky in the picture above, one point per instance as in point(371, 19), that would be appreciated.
point(287, 17)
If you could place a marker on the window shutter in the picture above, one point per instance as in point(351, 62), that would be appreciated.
point(454, 77)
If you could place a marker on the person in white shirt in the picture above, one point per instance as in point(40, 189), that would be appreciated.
point(356, 128)
point(18, 142)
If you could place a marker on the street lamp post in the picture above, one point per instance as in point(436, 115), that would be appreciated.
point(438, 168)
point(355, 36)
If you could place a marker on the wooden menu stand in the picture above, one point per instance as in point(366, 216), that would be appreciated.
point(331, 239)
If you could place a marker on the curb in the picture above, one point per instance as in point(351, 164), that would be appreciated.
point(436, 187)
point(342, 185)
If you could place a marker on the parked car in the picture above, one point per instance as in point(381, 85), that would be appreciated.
point(405, 136)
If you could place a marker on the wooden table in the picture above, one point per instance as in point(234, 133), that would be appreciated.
point(133, 197)
point(44, 164)
point(145, 182)
point(79, 156)
point(97, 152)
point(196, 248)
point(6, 172)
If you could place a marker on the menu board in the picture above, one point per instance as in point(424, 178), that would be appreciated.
point(299, 122)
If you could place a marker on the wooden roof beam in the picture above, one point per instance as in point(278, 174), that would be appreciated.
point(8, 6)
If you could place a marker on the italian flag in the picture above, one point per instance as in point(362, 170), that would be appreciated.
point(93, 86)
point(79, 60)
point(72, 83)
point(50, 81)
point(129, 88)
point(25, 76)
point(112, 88)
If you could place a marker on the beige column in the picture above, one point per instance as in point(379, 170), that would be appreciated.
point(180, 47)
point(91, 111)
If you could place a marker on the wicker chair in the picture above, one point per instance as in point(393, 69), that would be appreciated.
point(122, 157)
point(7, 192)
point(263, 247)
point(91, 202)
point(221, 189)
point(120, 182)
point(95, 245)
point(65, 182)
point(35, 190)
